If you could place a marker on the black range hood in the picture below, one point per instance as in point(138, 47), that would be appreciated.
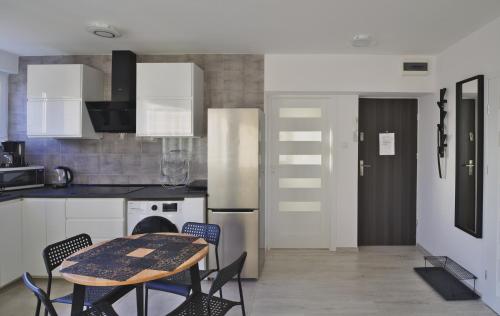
point(117, 115)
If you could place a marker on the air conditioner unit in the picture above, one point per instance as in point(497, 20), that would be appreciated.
point(415, 67)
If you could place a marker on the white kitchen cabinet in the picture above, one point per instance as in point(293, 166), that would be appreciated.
point(56, 100)
point(27, 226)
point(54, 117)
point(54, 81)
point(166, 79)
point(11, 265)
point(165, 117)
point(192, 208)
point(55, 220)
point(43, 223)
point(169, 100)
point(102, 219)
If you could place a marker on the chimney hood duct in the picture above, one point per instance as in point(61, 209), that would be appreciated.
point(117, 115)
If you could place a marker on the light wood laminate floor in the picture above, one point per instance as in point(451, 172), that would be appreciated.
point(374, 281)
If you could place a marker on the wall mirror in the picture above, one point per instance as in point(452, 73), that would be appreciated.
point(469, 156)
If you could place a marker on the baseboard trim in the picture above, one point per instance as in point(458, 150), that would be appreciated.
point(424, 251)
point(347, 249)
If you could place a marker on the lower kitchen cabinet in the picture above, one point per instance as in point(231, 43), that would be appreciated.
point(102, 219)
point(28, 225)
point(43, 223)
point(11, 264)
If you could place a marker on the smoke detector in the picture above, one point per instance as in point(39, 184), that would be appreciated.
point(103, 30)
point(362, 40)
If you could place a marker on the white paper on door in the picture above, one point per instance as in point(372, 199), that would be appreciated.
point(386, 144)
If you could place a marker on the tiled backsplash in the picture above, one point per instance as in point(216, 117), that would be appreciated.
point(230, 81)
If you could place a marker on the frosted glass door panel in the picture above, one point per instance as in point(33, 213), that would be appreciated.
point(165, 117)
point(300, 183)
point(306, 112)
point(302, 195)
point(300, 206)
point(303, 136)
point(300, 159)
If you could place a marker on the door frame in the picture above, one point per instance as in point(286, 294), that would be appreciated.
point(270, 191)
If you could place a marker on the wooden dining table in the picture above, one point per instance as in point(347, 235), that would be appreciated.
point(129, 262)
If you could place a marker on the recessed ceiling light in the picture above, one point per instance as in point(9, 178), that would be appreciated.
point(362, 40)
point(103, 30)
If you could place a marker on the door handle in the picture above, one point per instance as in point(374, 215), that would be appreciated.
point(362, 166)
point(469, 165)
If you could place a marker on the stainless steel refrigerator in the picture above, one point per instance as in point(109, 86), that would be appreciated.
point(236, 185)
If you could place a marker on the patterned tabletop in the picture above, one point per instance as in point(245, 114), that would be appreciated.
point(134, 259)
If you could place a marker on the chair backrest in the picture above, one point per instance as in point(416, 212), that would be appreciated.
point(209, 232)
point(54, 255)
point(154, 224)
point(39, 293)
point(228, 273)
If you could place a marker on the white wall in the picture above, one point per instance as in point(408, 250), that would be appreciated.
point(8, 62)
point(478, 53)
point(344, 75)
point(8, 65)
point(346, 171)
point(365, 74)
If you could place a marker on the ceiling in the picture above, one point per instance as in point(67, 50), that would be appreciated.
point(51, 27)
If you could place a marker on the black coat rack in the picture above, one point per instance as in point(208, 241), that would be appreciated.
point(441, 135)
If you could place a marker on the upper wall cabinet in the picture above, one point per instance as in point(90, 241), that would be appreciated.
point(56, 100)
point(169, 100)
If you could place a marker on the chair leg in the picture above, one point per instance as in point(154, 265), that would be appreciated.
point(146, 303)
point(49, 289)
point(38, 305)
point(139, 289)
point(241, 297)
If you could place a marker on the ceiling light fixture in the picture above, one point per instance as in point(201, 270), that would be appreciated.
point(362, 40)
point(103, 30)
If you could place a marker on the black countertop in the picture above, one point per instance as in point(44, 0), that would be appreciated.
point(132, 192)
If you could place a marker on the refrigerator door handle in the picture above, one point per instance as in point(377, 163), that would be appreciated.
point(229, 211)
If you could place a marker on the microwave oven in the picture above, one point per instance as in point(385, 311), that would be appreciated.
point(17, 178)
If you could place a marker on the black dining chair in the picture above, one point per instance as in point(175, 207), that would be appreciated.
point(154, 224)
point(181, 283)
point(54, 255)
point(200, 303)
point(100, 309)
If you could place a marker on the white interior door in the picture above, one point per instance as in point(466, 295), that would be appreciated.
point(301, 162)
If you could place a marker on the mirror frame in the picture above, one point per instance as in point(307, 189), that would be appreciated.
point(478, 232)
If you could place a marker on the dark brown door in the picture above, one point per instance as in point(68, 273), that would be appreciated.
point(387, 184)
point(466, 152)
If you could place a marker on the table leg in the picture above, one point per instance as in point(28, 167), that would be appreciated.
point(78, 299)
point(195, 279)
point(140, 299)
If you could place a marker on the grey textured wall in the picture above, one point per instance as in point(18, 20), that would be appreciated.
point(230, 81)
